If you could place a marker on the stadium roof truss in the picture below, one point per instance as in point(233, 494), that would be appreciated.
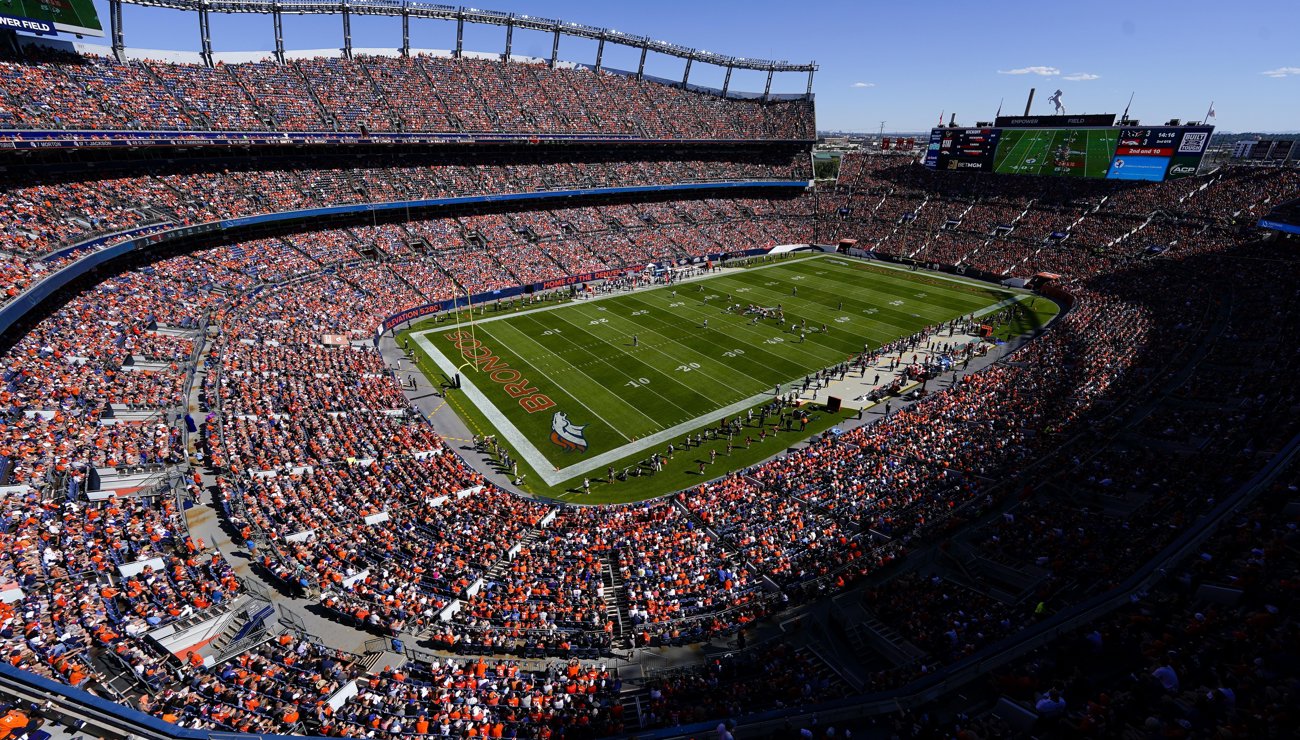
point(408, 9)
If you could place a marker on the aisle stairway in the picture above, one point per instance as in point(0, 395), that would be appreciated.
point(616, 603)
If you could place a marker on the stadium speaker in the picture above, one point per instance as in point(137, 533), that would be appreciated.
point(833, 404)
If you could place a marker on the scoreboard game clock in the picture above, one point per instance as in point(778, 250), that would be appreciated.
point(1158, 152)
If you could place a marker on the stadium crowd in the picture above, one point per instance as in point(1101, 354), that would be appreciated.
point(1017, 227)
point(58, 89)
point(57, 213)
point(340, 492)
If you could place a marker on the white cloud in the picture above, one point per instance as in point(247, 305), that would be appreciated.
point(1282, 72)
point(1043, 71)
point(863, 84)
point(1081, 77)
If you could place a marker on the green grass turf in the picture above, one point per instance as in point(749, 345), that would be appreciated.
point(1060, 152)
point(581, 356)
point(1026, 318)
point(681, 472)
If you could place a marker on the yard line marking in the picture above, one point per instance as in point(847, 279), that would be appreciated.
point(628, 376)
point(574, 396)
point(692, 351)
point(762, 338)
point(489, 410)
point(718, 272)
point(941, 276)
point(545, 470)
point(494, 337)
point(812, 310)
point(858, 264)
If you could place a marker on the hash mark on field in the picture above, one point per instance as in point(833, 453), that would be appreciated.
point(605, 361)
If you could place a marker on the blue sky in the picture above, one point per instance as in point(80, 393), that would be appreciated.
point(898, 62)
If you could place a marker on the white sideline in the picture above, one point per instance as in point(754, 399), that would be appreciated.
point(537, 460)
point(547, 471)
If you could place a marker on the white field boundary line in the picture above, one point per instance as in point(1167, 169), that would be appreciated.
point(667, 374)
point(497, 340)
point(717, 272)
point(724, 272)
point(534, 457)
point(529, 452)
point(1000, 305)
point(932, 274)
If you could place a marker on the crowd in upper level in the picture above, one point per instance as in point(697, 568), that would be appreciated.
point(48, 89)
point(61, 212)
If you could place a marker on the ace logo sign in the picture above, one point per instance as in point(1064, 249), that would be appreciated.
point(1183, 167)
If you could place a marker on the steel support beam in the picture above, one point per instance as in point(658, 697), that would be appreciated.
point(424, 10)
point(347, 31)
point(115, 30)
point(600, 53)
point(277, 22)
point(686, 76)
point(767, 90)
point(810, 75)
point(407, 9)
point(406, 31)
point(510, 37)
point(640, 70)
point(555, 49)
point(205, 35)
point(726, 81)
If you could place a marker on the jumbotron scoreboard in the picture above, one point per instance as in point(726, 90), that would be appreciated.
point(1071, 146)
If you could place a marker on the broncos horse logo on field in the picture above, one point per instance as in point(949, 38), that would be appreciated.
point(567, 434)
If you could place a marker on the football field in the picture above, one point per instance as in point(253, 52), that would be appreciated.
point(576, 387)
point(1058, 152)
